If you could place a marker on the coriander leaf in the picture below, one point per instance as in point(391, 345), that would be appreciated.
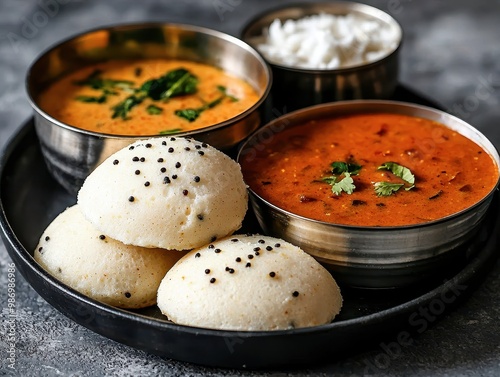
point(189, 114)
point(346, 185)
point(185, 85)
point(192, 114)
point(122, 109)
point(154, 110)
point(91, 99)
point(330, 180)
point(339, 167)
point(223, 90)
point(96, 82)
point(214, 103)
point(174, 83)
point(171, 131)
point(399, 171)
point(387, 188)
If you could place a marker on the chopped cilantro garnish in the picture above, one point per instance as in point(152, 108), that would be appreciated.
point(387, 188)
point(92, 99)
point(346, 184)
point(399, 171)
point(171, 131)
point(175, 83)
point(339, 167)
point(191, 114)
point(95, 81)
point(154, 110)
point(122, 109)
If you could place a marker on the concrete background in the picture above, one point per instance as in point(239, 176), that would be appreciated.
point(451, 53)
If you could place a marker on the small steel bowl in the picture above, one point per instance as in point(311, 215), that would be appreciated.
point(295, 88)
point(72, 153)
point(374, 257)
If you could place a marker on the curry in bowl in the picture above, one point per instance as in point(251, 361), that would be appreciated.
point(147, 97)
point(369, 169)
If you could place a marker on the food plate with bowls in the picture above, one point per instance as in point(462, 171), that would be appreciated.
point(31, 198)
point(140, 190)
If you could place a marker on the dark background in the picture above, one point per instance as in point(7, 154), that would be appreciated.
point(451, 54)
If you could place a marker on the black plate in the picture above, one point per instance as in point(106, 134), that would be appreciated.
point(30, 199)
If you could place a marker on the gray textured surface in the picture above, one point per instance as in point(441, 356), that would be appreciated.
point(451, 53)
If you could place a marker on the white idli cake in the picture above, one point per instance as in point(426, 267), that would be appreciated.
point(80, 256)
point(249, 283)
point(173, 193)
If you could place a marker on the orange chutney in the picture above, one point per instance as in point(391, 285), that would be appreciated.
point(123, 78)
point(451, 171)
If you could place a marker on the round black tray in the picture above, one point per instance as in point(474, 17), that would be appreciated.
point(30, 199)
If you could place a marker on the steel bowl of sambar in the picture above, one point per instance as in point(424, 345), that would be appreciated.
point(385, 194)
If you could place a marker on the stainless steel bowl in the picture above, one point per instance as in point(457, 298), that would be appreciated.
point(72, 153)
point(294, 88)
point(374, 257)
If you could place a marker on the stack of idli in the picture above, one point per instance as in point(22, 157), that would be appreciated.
point(154, 223)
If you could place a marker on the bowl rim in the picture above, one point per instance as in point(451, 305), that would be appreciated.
point(137, 25)
point(381, 16)
point(288, 214)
